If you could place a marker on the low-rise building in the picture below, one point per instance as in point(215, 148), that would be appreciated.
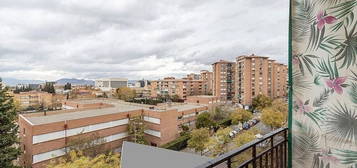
point(35, 99)
point(210, 101)
point(46, 136)
point(110, 84)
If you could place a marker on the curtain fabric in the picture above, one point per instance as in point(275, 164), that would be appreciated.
point(324, 80)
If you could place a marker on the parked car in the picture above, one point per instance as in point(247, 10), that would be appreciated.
point(246, 126)
point(231, 134)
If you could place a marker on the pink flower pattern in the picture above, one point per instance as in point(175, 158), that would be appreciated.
point(336, 83)
point(322, 20)
point(302, 107)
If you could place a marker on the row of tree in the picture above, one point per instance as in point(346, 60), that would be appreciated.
point(9, 147)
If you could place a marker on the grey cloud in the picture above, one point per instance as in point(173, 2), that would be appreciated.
point(135, 39)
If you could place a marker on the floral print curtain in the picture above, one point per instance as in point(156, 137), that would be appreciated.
point(324, 78)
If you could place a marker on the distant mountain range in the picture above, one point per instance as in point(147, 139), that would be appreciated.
point(63, 81)
point(74, 81)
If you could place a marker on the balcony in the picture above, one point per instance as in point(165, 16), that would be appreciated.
point(269, 151)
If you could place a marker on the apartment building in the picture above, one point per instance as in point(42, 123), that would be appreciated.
point(207, 77)
point(35, 99)
point(223, 77)
point(46, 137)
point(109, 84)
point(193, 76)
point(180, 87)
point(259, 75)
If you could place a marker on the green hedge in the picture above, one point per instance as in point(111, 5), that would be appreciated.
point(177, 144)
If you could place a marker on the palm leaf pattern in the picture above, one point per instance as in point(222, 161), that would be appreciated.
point(317, 116)
point(305, 61)
point(306, 143)
point(319, 101)
point(299, 84)
point(326, 69)
point(353, 93)
point(324, 47)
point(302, 19)
point(344, 12)
point(346, 156)
point(348, 50)
point(342, 124)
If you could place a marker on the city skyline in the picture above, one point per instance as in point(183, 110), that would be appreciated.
point(135, 40)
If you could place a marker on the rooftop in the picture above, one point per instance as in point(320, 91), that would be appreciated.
point(137, 155)
point(113, 106)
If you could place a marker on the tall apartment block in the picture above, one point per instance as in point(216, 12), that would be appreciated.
point(223, 77)
point(180, 87)
point(259, 75)
point(47, 136)
point(207, 77)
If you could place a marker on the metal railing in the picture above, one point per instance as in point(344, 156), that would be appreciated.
point(269, 151)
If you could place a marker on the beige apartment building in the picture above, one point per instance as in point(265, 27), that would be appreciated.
point(223, 80)
point(180, 87)
point(36, 99)
point(45, 137)
point(259, 75)
point(207, 77)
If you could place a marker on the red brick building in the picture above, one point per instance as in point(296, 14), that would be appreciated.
point(46, 136)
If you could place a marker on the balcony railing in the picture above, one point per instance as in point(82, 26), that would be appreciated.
point(269, 151)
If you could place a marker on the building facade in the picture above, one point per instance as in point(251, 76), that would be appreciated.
point(223, 80)
point(35, 99)
point(207, 77)
point(259, 75)
point(46, 137)
point(193, 76)
point(180, 87)
point(110, 84)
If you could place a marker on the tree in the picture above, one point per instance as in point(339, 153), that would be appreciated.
point(261, 101)
point(199, 139)
point(273, 118)
point(77, 159)
point(49, 88)
point(218, 143)
point(68, 86)
point(204, 121)
point(219, 114)
point(281, 106)
point(243, 138)
point(88, 145)
point(241, 115)
point(240, 140)
point(175, 98)
point(125, 93)
point(136, 130)
point(9, 150)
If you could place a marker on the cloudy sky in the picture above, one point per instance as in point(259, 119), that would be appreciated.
point(52, 39)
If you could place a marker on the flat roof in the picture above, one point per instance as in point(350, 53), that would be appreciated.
point(38, 120)
point(118, 107)
point(144, 156)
